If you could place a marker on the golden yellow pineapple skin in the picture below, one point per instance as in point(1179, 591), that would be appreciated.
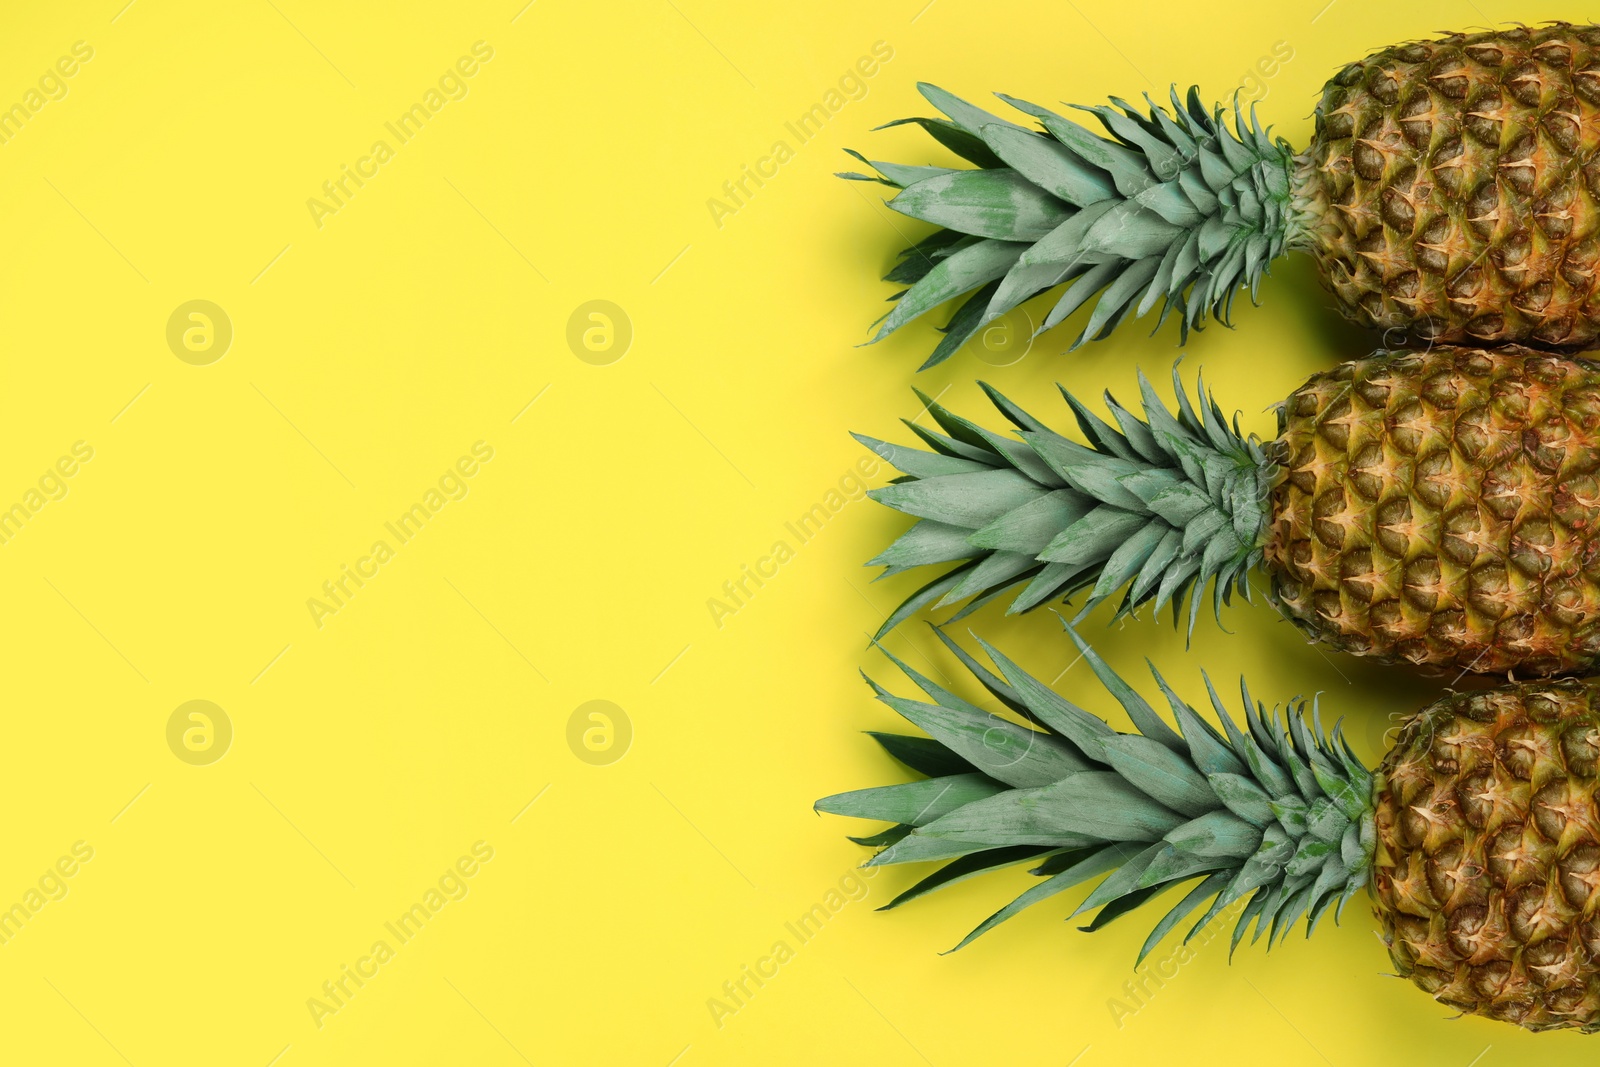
point(1441, 508)
point(1486, 875)
point(1451, 190)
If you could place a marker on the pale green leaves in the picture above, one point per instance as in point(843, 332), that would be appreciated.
point(1160, 773)
point(968, 500)
point(1160, 506)
point(1167, 206)
point(1013, 754)
point(913, 803)
point(1048, 164)
point(952, 276)
point(1277, 811)
point(985, 203)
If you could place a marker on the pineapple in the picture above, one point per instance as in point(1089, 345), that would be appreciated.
point(1478, 836)
point(1438, 508)
point(1450, 191)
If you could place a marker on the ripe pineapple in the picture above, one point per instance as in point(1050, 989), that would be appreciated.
point(1479, 835)
point(1436, 507)
point(1450, 190)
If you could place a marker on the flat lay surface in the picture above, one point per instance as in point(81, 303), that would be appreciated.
point(432, 541)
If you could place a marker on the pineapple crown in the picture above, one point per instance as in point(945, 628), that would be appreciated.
point(1172, 207)
point(1157, 506)
point(1278, 811)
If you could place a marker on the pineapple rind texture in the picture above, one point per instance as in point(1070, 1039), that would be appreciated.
point(1168, 207)
point(1440, 508)
point(1277, 814)
point(1488, 861)
point(1452, 189)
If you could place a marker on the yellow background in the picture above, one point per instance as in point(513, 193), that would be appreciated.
point(425, 715)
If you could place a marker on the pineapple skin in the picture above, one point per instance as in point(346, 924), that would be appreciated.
point(1441, 508)
point(1451, 191)
point(1487, 861)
